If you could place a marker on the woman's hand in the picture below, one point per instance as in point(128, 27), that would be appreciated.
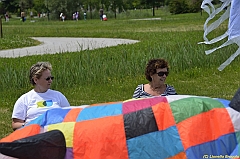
point(17, 123)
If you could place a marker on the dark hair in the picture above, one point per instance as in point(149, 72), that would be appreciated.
point(153, 65)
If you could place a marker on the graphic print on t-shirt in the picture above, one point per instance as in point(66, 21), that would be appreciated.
point(47, 103)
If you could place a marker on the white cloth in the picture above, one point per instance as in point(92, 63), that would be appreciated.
point(233, 33)
point(32, 104)
point(6, 157)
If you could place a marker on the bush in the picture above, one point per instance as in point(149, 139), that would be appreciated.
point(185, 6)
point(178, 7)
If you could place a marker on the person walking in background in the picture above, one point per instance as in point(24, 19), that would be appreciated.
point(23, 16)
point(156, 73)
point(38, 100)
point(101, 14)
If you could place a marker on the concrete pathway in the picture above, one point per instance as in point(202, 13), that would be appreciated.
point(53, 45)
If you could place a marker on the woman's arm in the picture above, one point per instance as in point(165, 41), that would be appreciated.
point(17, 123)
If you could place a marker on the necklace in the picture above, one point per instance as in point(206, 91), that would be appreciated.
point(158, 89)
point(154, 86)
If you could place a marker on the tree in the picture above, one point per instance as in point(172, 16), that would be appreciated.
point(39, 6)
point(67, 7)
point(9, 5)
point(25, 4)
point(136, 3)
point(185, 6)
point(152, 4)
point(194, 6)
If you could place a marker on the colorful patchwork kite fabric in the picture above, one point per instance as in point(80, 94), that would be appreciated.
point(171, 127)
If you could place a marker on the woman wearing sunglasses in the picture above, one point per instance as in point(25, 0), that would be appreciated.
point(38, 100)
point(156, 73)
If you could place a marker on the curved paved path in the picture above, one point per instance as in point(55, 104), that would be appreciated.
point(52, 45)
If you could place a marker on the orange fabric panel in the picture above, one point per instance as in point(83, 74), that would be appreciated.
point(22, 133)
point(205, 127)
point(100, 138)
point(163, 115)
point(181, 155)
point(72, 115)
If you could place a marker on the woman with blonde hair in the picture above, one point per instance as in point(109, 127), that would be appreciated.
point(38, 100)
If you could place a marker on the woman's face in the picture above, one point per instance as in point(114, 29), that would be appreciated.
point(160, 75)
point(45, 81)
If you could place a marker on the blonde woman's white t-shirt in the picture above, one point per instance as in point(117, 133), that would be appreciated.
point(32, 104)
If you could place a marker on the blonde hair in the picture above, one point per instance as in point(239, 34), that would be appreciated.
point(37, 69)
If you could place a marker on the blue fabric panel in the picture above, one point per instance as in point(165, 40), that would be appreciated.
point(224, 145)
point(155, 145)
point(236, 152)
point(51, 116)
point(40, 120)
point(224, 102)
point(94, 112)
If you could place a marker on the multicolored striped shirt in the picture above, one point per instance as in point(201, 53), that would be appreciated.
point(140, 93)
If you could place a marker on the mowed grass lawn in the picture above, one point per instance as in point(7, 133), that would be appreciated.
point(112, 74)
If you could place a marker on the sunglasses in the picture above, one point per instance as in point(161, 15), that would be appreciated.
point(51, 77)
point(162, 73)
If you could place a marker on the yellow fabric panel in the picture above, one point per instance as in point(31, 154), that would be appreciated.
point(67, 129)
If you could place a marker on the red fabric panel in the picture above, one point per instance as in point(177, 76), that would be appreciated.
point(22, 133)
point(205, 127)
point(181, 155)
point(72, 115)
point(163, 115)
point(100, 138)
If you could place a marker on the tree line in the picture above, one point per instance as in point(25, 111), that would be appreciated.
point(55, 7)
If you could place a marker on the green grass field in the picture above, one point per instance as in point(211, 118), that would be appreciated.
point(112, 74)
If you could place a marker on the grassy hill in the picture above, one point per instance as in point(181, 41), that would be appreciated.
point(112, 74)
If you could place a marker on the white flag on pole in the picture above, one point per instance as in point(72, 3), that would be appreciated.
point(232, 12)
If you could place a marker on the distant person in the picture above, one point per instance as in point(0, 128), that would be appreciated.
point(31, 15)
point(38, 100)
point(23, 16)
point(74, 16)
point(77, 16)
point(101, 14)
point(104, 17)
point(156, 73)
point(62, 17)
point(85, 15)
point(6, 17)
point(61, 14)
